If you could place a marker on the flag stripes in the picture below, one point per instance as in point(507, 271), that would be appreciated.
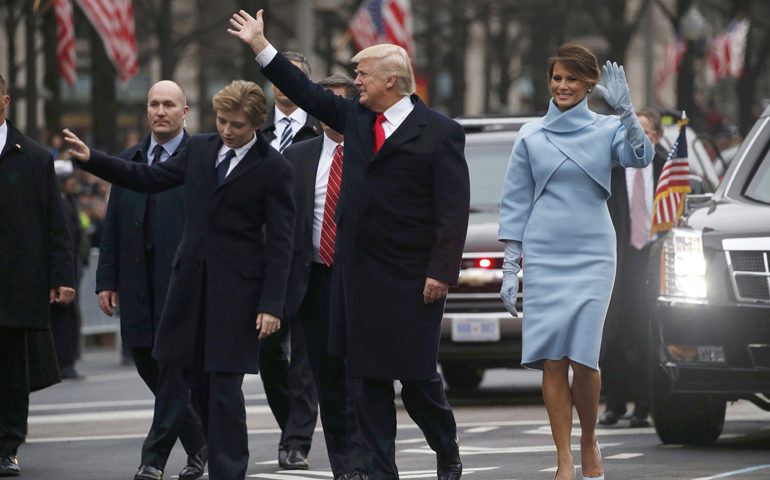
point(673, 184)
point(383, 21)
point(65, 40)
point(114, 21)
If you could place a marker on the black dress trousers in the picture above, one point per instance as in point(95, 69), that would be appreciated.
point(335, 399)
point(425, 403)
point(14, 396)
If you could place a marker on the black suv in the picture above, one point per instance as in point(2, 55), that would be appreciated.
point(710, 280)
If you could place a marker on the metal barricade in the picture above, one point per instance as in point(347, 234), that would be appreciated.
point(92, 320)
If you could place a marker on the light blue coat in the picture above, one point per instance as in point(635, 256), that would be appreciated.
point(555, 203)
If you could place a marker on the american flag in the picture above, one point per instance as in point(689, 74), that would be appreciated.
point(383, 21)
point(114, 20)
point(674, 183)
point(65, 40)
point(726, 52)
point(672, 58)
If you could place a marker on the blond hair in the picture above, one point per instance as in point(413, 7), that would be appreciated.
point(242, 95)
point(392, 60)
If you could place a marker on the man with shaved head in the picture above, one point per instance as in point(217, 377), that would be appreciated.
point(142, 232)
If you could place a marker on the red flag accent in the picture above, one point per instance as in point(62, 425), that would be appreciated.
point(383, 21)
point(114, 21)
point(65, 40)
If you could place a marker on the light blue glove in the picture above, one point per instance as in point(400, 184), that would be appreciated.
point(510, 288)
point(619, 98)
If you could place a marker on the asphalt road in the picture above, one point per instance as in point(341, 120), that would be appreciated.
point(93, 429)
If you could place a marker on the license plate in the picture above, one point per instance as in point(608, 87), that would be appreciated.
point(475, 329)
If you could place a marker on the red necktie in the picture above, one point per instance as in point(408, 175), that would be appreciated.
point(379, 132)
point(328, 227)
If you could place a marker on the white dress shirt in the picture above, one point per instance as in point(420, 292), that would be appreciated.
point(239, 154)
point(649, 194)
point(3, 135)
point(168, 148)
point(298, 118)
point(395, 115)
point(321, 183)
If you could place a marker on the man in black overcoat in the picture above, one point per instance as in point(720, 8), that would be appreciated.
point(36, 270)
point(625, 343)
point(401, 223)
point(229, 274)
point(141, 234)
point(308, 299)
point(288, 383)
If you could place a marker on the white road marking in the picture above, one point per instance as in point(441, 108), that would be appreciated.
point(576, 432)
point(731, 435)
point(412, 440)
point(624, 456)
point(492, 451)
point(736, 472)
point(116, 416)
point(294, 473)
point(269, 462)
point(481, 429)
point(553, 469)
point(673, 445)
point(116, 403)
point(129, 436)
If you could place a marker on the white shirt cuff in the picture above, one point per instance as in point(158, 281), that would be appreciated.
point(267, 55)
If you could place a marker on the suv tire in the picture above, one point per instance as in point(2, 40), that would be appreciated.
point(461, 376)
point(694, 419)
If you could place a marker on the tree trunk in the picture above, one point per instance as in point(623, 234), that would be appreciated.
point(104, 105)
point(11, 24)
point(32, 130)
point(51, 76)
point(205, 114)
point(457, 61)
point(166, 51)
point(250, 68)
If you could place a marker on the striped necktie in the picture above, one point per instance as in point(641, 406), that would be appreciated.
point(328, 227)
point(287, 135)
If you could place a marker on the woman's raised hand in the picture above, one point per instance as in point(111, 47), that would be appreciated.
point(616, 93)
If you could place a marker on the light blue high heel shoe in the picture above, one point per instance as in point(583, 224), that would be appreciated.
point(594, 478)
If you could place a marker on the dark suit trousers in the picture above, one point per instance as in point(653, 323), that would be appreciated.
point(64, 327)
point(174, 416)
point(289, 385)
point(14, 396)
point(425, 403)
point(624, 367)
point(335, 400)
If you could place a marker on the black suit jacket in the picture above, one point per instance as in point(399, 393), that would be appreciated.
point(235, 253)
point(123, 244)
point(304, 158)
point(35, 246)
point(402, 216)
point(311, 129)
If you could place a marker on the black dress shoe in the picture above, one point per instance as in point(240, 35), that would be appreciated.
point(9, 466)
point(449, 466)
point(639, 422)
point(147, 472)
point(610, 417)
point(196, 465)
point(295, 460)
point(358, 474)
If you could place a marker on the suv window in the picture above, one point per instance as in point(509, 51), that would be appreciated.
point(487, 156)
point(759, 187)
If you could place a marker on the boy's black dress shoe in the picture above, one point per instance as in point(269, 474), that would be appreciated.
point(147, 472)
point(196, 465)
point(9, 466)
point(295, 460)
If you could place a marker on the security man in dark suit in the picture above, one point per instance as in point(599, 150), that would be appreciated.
point(287, 379)
point(317, 164)
point(141, 234)
point(624, 352)
point(401, 222)
point(229, 274)
point(36, 271)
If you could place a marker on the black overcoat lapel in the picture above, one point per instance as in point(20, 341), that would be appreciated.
point(250, 161)
point(410, 128)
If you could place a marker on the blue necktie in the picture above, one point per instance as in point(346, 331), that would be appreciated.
point(287, 134)
point(224, 166)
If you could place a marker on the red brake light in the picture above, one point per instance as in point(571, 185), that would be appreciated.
point(485, 263)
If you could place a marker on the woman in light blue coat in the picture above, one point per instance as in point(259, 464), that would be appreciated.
point(555, 205)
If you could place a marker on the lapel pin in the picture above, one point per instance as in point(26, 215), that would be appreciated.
point(18, 146)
